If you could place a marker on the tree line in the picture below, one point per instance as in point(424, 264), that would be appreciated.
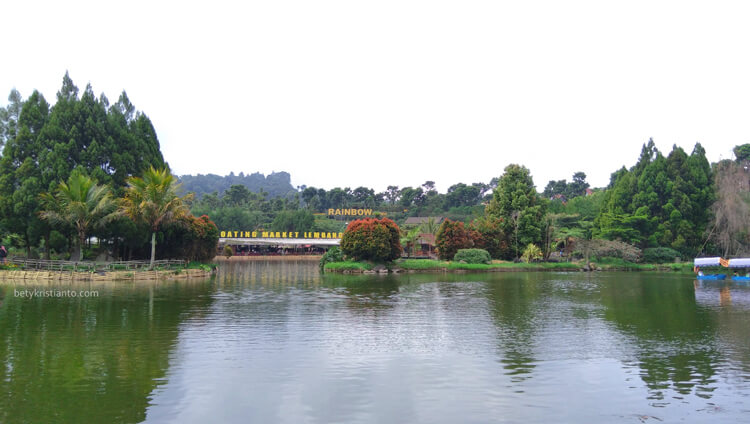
point(68, 170)
point(679, 202)
point(661, 208)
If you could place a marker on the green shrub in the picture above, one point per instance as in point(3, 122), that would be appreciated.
point(660, 255)
point(531, 253)
point(472, 256)
point(333, 254)
point(228, 251)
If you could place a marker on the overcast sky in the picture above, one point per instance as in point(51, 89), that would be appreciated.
point(377, 93)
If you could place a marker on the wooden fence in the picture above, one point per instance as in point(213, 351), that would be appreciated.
point(50, 265)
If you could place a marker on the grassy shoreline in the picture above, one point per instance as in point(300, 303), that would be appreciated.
point(431, 265)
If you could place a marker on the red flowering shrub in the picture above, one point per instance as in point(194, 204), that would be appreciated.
point(372, 239)
point(451, 236)
point(487, 233)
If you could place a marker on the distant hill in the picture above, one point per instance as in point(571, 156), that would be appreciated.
point(277, 184)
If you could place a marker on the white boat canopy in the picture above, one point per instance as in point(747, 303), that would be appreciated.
point(707, 261)
point(739, 263)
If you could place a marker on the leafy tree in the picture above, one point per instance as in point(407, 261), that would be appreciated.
point(372, 239)
point(410, 196)
point(80, 203)
point(578, 186)
point(192, 238)
point(741, 152)
point(21, 176)
point(392, 194)
point(451, 237)
point(463, 195)
point(9, 116)
point(153, 200)
point(301, 220)
point(516, 202)
point(487, 233)
point(661, 201)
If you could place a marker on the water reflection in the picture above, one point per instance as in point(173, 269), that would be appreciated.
point(674, 341)
point(515, 307)
point(279, 342)
point(91, 359)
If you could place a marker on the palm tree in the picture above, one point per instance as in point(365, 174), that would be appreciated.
point(153, 200)
point(80, 203)
point(430, 226)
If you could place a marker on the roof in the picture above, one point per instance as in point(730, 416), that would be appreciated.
point(739, 263)
point(419, 220)
point(707, 261)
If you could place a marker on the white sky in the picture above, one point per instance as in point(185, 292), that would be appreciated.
point(374, 93)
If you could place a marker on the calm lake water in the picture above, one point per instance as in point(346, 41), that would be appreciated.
point(278, 342)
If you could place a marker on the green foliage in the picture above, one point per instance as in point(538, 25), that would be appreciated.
point(451, 237)
point(190, 238)
point(372, 239)
point(421, 264)
point(516, 202)
point(531, 253)
point(334, 254)
point(660, 255)
point(228, 252)
point(566, 191)
point(487, 233)
point(601, 248)
point(79, 203)
point(742, 152)
point(661, 201)
point(347, 265)
point(292, 221)
point(472, 256)
point(153, 201)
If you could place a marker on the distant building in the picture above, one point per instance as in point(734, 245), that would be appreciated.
point(419, 220)
point(424, 246)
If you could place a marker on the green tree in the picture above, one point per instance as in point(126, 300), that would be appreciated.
point(80, 203)
point(21, 176)
point(299, 220)
point(487, 233)
point(9, 116)
point(153, 200)
point(741, 152)
point(516, 202)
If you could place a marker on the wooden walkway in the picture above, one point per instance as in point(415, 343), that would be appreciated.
point(51, 265)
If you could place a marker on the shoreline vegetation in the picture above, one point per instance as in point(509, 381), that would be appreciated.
point(432, 265)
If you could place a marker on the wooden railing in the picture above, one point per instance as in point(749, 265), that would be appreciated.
point(52, 265)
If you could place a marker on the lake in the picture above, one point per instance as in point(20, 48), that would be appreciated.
point(279, 342)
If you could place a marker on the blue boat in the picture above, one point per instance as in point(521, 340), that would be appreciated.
point(711, 277)
point(742, 266)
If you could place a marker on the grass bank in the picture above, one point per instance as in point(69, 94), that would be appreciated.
point(431, 265)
